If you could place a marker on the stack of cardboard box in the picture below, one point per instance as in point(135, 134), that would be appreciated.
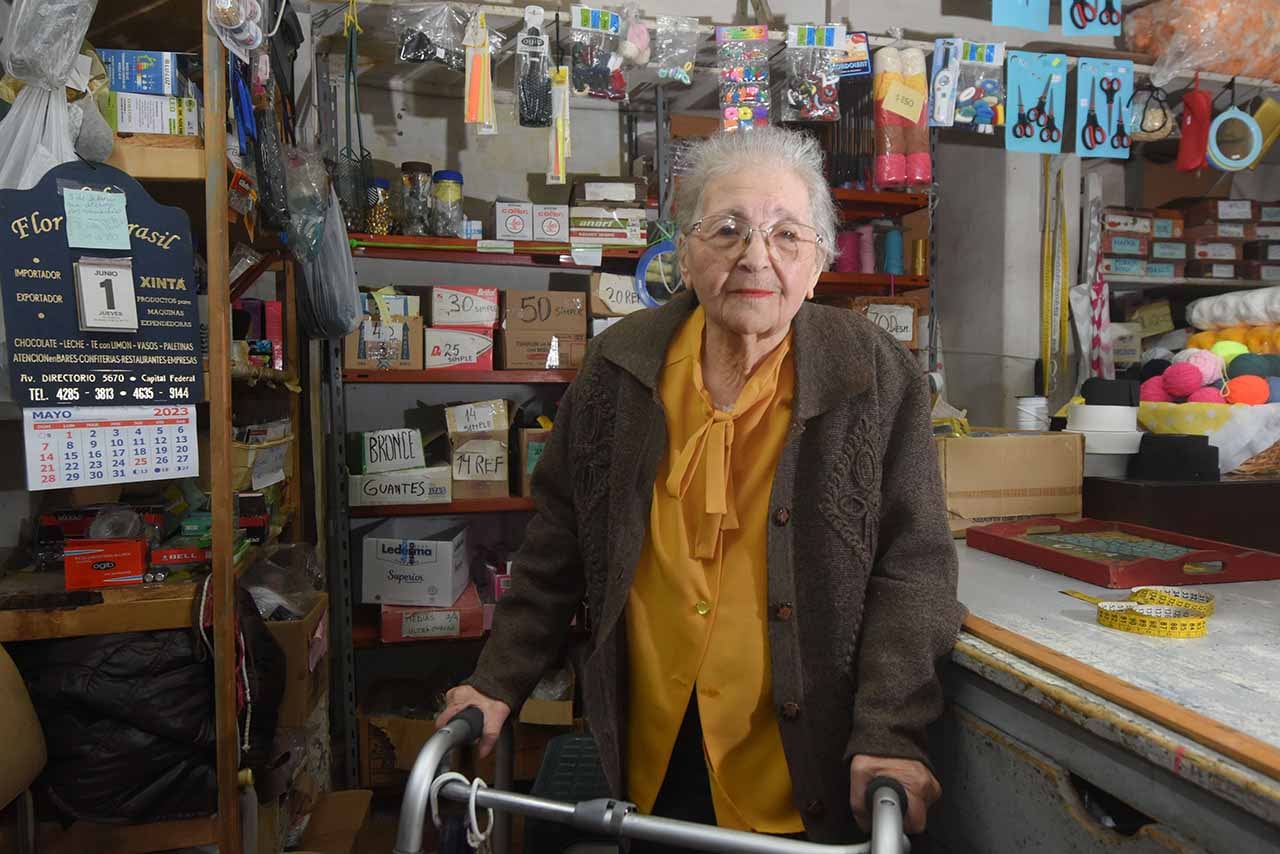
point(613, 297)
point(609, 212)
point(389, 467)
point(1200, 238)
point(463, 319)
point(479, 447)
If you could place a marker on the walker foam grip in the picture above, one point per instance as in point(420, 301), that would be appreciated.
point(474, 719)
point(882, 782)
point(1100, 392)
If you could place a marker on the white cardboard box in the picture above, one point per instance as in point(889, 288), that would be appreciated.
point(432, 485)
point(414, 562)
point(463, 306)
point(513, 221)
point(551, 223)
point(603, 226)
point(459, 348)
point(164, 114)
point(386, 450)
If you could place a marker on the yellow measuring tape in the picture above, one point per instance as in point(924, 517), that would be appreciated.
point(1054, 316)
point(1166, 612)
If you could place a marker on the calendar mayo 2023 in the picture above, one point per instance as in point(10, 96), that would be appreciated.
point(90, 446)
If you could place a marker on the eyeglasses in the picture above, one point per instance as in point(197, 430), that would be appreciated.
point(786, 240)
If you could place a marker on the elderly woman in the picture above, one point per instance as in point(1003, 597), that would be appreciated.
point(744, 488)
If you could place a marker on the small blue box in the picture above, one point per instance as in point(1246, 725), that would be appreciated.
point(144, 72)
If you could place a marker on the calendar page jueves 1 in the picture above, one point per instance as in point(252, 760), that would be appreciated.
point(89, 325)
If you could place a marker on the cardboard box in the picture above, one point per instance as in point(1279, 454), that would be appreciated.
point(533, 441)
point(335, 823)
point(1117, 243)
point(163, 114)
point(545, 311)
point(1262, 250)
point(1168, 250)
point(1222, 231)
point(398, 305)
point(1166, 269)
point(306, 653)
point(394, 344)
point(551, 223)
point(1166, 224)
point(385, 450)
point(1154, 318)
point(1219, 210)
point(180, 550)
point(1126, 343)
point(432, 485)
point(1269, 212)
point(464, 307)
point(90, 564)
point(1127, 221)
point(615, 191)
point(1214, 269)
point(600, 324)
point(549, 712)
point(512, 220)
point(479, 437)
point(1124, 266)
point(1262, 271)
point(145, 72)
point(413, 561)
point(542, 351)
point(1011, 476)
point(1268, 232)
point(608, 226)
point(464, 349)
point(1218, 250)
point(614, 295)
point(483, 416)
point(463, 619)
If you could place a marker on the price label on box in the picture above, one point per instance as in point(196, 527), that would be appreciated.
point(92, 446)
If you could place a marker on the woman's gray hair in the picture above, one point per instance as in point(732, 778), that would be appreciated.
point(759, 149)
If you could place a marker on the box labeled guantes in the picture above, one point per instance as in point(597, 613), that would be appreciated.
point(432, 485)
point(411, 562)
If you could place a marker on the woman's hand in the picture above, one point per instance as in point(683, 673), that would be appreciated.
point(922, 788)
point(496, 713)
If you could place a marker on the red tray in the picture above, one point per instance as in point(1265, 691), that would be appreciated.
point(1119, 555)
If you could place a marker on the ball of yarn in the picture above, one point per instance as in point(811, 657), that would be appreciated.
point(1156, 354)
point(1152, 391)
point(1259, 339)
point(1210, 365)
point(1228, 350)
point(1273, 383)
point(1273, 364)
point(1247, 389)
point(1233, 333)
point(1180, 380)
point(1208, 394)
point(1154, 368)
point(1248, 364)
point(1202, 340)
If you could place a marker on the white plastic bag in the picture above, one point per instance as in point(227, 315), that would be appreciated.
point(42, 42)
point(330, 299)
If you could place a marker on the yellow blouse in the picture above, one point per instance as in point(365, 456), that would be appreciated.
point(697, 611)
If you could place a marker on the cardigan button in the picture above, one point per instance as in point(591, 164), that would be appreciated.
point(790, 711)
point(815, 809)
point(784, 611)
point(781, 516)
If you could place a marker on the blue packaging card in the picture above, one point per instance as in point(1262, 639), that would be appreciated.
point(1092, 17)
point(1037, 98)
point(1023, 14)
point(142, 72)
point(1103, 90)
point(1161, 270)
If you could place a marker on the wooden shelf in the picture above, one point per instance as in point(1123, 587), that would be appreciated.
point(456, 375)
point(127, 839)
point(451, 250)
point(1139, 283)
point(159, 157)
point(487, 505)
point(60, 613)
point(869, 204)
point(860, 283)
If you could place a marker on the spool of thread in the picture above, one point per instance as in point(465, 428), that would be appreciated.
point(920, 257)
point(1033, 413)
point(849, 260)
point(893, 252)
point(866, 249)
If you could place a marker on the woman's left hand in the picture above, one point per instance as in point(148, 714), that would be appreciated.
point(922, 788)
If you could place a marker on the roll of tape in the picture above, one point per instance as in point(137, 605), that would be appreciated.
point(1110, 443)
point(1086, 418)
point(1106, 465)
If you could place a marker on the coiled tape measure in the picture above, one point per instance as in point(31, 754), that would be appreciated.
point(1166, 612)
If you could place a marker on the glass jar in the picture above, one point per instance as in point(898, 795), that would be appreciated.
point(415, 198)
point(446, 204)
point(379, 220)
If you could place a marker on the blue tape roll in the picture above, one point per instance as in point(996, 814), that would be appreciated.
point(1221, 161)
point(642, 267)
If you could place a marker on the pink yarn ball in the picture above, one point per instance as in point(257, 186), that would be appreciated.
point(1182, 379)
point(1152, 391)
point(1208, 394)
point(1210, 365)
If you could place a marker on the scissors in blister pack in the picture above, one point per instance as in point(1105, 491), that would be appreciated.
point(1023, 129)
point(1092, 135)
point(1036, 113)
point(1120, 139)
point(1110, 87)
point(1050, 132)
point(1083, 13)
point(1109, 16)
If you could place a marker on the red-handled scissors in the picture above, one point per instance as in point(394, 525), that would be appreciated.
point(1036, 113)
point(1092, 135)
point(1023, 128)
point(1083, 13)
point(1050, 133)
point(1108, 16)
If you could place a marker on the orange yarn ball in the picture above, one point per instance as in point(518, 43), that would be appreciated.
point(1234, 333)
point(1259, 339)
point(1203, 341)
point(1247, 389)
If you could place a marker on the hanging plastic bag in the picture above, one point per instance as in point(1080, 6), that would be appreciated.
point(676, 48)
point(330, 300)
point(431, 33)
point(744, 76)
point(308, 188)
point(533, 71)
point(597, 63)
point(272, 187)
point(813, 85)
point(43, 40)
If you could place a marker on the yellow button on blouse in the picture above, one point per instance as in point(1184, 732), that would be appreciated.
point(706, 545)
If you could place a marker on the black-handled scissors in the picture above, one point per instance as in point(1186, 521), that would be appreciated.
point(1092, 135)
point(1050, 133)
point(1023, 129)
point(1110, 87)
point(1108, 16)
point(1083, 13)
point(1036, 113)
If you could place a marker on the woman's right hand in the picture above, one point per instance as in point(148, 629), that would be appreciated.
point(496, 713)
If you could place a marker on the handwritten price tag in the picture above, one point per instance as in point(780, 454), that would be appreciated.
point(904, 101)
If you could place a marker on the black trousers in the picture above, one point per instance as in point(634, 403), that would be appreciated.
point(686, 790)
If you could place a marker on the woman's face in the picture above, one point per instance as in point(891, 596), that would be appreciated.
point(750, 289)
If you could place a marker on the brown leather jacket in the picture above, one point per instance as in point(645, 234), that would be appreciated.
point(862, 570)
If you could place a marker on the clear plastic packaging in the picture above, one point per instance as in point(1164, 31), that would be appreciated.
point(597, 62)
point(273, 194)
point(1235, 37)
point(330, 300)
point(812, 91)
point(744, 76)
point(533, 71)
point(238, 23)
point(676, 48)
point(415, 198)
point(284, 581)
point(431, 32)
point(446, 204)
point(308, 188)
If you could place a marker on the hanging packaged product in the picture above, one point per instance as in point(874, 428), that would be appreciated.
point(432, 33)
point(238, 24)
point(533, 71)
point(1021, 14)
point(856, 60)
point(1092, 17)
point(812, 88)
point(1037, 125)
point(1103, 84)
point(677, 48)
point(901, 129)
point(967, 89)
point(597, 62)
point(744, 76)
point(634, 45)
point(478, 105)
point(558, 138)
